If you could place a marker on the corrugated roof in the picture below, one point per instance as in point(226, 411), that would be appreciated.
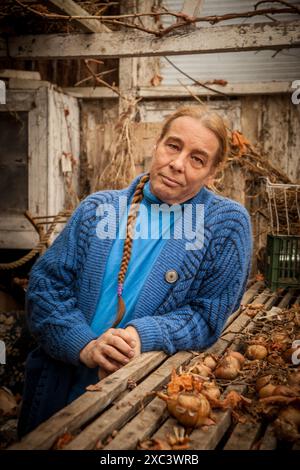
point(235, 67)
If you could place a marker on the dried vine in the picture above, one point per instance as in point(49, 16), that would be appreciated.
point(182, 19)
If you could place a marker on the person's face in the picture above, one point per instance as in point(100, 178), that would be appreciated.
point(183, 161)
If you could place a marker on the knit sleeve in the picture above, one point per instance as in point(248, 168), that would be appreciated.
point(198, 324)
point(53, 315)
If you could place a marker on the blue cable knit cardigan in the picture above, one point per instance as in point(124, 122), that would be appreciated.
point(189, 314)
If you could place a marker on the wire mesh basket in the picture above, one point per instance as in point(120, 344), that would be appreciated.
point(283, 243)
point(284, 208)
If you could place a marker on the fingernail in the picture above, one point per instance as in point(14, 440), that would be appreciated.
point(131, 354)
point(132, 344)
point(126, 360)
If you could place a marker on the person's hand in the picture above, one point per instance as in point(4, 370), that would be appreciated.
point(111, 350)
point(136, 337)
point(137, 351)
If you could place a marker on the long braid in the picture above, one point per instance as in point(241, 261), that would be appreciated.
point(131, 220)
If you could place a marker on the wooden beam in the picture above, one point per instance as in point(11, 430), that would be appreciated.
point(22, 74)
point(128, 66)
point(252, 88)
point(71, 8)
point(91, 92)
point(120, 44)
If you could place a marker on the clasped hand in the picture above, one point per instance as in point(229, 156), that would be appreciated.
point(113, 349)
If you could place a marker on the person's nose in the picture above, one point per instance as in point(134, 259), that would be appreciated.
point(179, 162)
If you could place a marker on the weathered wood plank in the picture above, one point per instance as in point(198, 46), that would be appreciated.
point(120, 44)
point(27, 84)
point(134, 401)
point(38, 141)
point(247, 298)
point(286, 299)
point(18, 101)
point(243, 436)
point(141, 427)
point(22, 74)
point(91, 92)
point(230, 89)
point(89, 404)
point(229, 335)
point(207, 439)
point(73, 9)
point(297, 301)
point(269, 441)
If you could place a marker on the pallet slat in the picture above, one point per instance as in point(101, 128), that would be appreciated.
point(243, 436)
point(89, 404)
point(134, 401)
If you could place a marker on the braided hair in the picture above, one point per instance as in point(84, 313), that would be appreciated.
point(131, 220)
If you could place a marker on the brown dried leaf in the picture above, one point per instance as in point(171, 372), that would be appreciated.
point(63, 440)
point(156, 80)
point(94, 387)
point(154, 444)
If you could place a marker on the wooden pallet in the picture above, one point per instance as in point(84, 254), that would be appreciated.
point(129, 416)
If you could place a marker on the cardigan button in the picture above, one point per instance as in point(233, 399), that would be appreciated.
point(171, 276)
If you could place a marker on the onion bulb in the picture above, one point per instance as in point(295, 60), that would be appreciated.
point(226, 370)
point(189, 409)
point(263, 381)
point(201, 369)
point(210, 362)
point(211, 391)
point(238, 356)
point(256, 351)
point(267, 391)
point(284, 391)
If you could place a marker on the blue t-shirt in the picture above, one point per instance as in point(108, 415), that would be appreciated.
point(154, 225)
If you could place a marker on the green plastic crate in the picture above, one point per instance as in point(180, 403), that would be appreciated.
point(283, 261)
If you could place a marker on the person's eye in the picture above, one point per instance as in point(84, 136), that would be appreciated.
point(197, 160)
point(173, 146)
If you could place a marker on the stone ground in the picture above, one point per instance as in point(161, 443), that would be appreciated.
point(18, 343)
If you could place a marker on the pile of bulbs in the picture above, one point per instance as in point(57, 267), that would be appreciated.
point(282, 401)
point(191, 396)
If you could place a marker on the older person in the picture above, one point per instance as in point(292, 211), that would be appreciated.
point(101, 294)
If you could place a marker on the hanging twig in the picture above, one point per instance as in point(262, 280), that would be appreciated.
point(99, 80)
point(283, 2)
point(105, 72)
point(193, 79)
point(190, 92)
